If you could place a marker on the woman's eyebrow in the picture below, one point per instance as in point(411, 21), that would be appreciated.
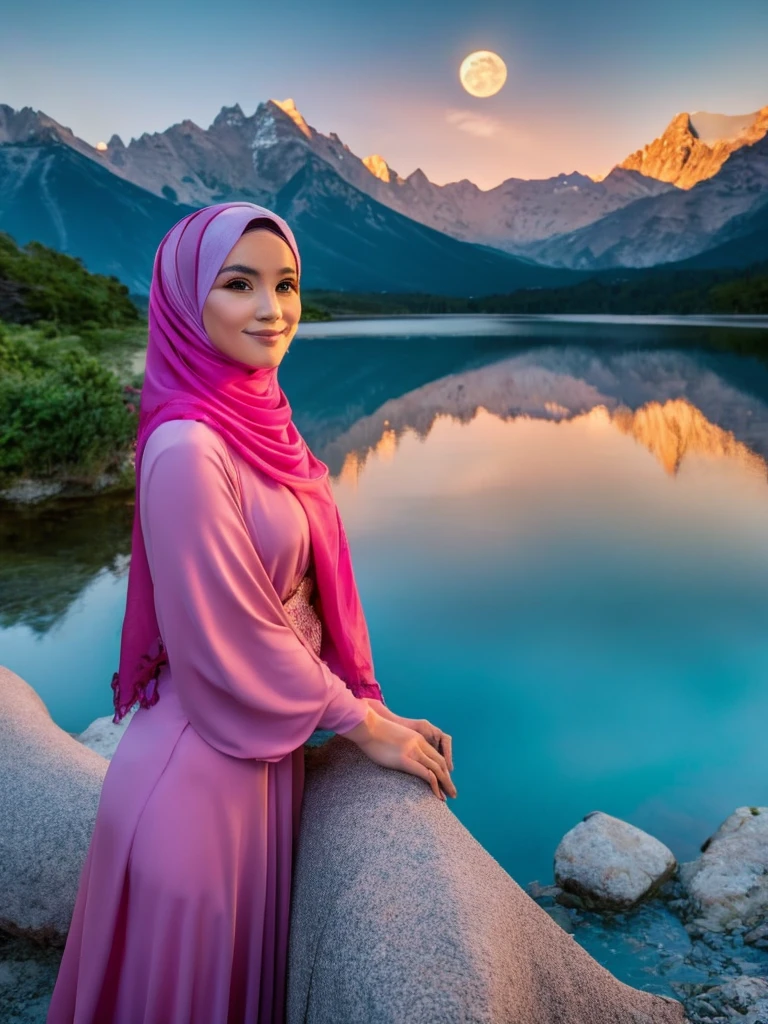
point(242, 269)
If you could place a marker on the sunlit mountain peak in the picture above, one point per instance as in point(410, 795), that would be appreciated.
point(378, 166)
point(289, 107)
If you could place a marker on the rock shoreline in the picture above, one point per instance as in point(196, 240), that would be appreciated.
point(696, 932)
point(28, 491)
point(701, 926)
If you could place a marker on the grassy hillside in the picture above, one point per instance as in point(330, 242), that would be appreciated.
point(67, 397)
point(38, 283)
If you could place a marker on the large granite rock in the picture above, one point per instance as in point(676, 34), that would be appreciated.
point(727, 886)
point(103, 735)
point(399, 916)
point(608, 864)
point(48, 801)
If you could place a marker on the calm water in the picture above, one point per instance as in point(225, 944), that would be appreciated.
point(560, 534)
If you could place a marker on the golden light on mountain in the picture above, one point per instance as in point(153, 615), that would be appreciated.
point(671, 431)
point(675, 429)
point(289, 107)
point(377, 165)
point(483, 73)
point(695, 146)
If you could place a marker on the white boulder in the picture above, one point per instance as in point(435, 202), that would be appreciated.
point(608, 864)
point(727, 886)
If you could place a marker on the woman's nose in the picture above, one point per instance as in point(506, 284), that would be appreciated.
point(268, 306)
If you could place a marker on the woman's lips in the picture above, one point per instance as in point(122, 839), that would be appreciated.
point(268, 338)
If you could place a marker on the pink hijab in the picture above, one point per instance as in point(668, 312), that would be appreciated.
point(187, 377)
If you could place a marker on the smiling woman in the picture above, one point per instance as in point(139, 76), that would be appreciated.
point(253, 308)
point(243, 634)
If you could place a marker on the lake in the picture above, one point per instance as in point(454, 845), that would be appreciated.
point(559, 528)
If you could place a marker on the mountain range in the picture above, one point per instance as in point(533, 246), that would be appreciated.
point(698, 191)
point(57, 189)
point(674, 226)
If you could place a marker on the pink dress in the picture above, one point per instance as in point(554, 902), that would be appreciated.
point(182, 912)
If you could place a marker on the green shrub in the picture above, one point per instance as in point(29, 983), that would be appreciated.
point(62, 413)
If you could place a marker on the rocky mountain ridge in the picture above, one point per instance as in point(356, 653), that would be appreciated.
point(700, 185)
point(53, 192)
point(252, 157)
point(674, 226)
point(694, 147)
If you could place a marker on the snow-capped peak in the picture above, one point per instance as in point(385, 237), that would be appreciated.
point(232, 117)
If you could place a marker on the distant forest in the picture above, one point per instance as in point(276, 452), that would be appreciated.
point(654, 291)
point(37, 283)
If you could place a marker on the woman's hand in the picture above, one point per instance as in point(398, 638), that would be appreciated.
point(441, 741)
point(396, 746)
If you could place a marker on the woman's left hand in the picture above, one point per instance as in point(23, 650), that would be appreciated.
point(440, 740)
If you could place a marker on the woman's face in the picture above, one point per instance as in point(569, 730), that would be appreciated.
point(256, 290)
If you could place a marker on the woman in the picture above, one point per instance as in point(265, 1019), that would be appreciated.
point(243, 633)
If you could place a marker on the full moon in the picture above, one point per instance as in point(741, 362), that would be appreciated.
point(483, 73)
point(102, 147)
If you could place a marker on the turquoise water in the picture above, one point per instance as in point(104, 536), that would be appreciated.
point(560, 535)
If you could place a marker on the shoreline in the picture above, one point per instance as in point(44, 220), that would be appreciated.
point(24, 492)
point(757, 320)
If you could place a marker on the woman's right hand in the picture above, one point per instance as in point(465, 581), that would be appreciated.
point(397, 746)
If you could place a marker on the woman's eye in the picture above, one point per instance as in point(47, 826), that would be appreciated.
point(240, 280)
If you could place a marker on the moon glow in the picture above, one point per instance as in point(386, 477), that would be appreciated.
point(483, 73)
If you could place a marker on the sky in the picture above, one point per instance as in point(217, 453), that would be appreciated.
point(588, 82)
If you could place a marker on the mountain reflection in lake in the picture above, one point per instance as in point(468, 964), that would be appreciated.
point(560, 535)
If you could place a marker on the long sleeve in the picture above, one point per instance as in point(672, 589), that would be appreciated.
point(246, 681)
